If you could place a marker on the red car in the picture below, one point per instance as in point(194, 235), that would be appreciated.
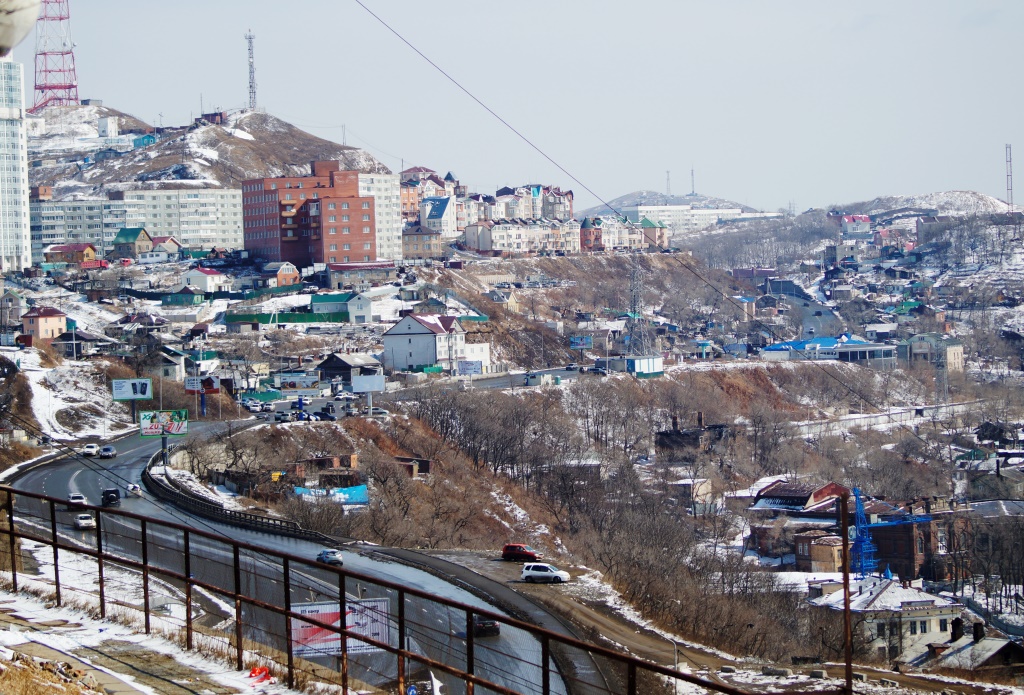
point(520, 553)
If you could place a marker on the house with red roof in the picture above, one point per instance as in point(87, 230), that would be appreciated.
point(207, 280)
point(856, 224)
point(70, 253)
point(168, 244)
point(43, 322)
point(417, 342)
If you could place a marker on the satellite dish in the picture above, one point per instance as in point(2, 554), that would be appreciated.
point(17, 17)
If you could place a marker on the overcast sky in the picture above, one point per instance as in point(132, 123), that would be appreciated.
point(805, 101)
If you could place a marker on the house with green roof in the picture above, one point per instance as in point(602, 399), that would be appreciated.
point(130, 242)
point(655, 233)
point(358, 306)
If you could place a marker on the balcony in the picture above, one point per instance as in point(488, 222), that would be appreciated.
point(289, 236)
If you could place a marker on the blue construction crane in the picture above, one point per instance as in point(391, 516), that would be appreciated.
point(862, 549)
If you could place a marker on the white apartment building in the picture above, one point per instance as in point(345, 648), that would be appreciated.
point(686, 218)
point(418, 341)
point(15, 240)
point(440, 215)
point(617, 233)
point(387, 201)
point(198, 218)
point(524, 236)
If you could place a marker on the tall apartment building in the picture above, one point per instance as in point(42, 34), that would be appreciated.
point(385, 189)
point(514, 237)
point(198, 218)
point(201, 218)
point(686, 218)
point(306, 220)
point(15, 241)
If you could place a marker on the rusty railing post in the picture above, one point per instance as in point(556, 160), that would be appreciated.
point(145, 576)
point(13, 542)
point(56, 552)
point(631, 678)
point(343, 611)
point(545, 659)
point(99, 563)
point(239, 655)
point(401, 641)
point(470, 651)
point(288, 621)
point(188, 589)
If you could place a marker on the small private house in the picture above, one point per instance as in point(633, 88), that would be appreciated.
point(206, 280)
point(130, 242)
point(70, 253)
point(422, 243)
point(897, 620)
point(12, 306)
point(941, 351)
point(168, 244)
point(43, 322)
point(418, 342)
point(342, 366)
point(359, 307)
point(279, 274)
point(366, 273)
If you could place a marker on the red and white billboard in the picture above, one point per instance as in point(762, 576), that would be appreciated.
point(202, 384)
point(368, 617)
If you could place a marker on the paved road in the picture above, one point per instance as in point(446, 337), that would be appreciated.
point(510, 659)
point(818, 320)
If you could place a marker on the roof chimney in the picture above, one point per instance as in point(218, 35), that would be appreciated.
point(957, 629)
point(675, 423)
point(979, 631)
point(700, 419)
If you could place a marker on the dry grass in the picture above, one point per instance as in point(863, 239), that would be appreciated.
point(24, 676)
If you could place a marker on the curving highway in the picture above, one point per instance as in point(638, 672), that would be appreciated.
point(511, 659)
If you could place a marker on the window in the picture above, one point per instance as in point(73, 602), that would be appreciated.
point(881, 629)
point(366, 245)
point(346, 247)
point(345, 230)
point(332, 218)
point(334, 247)
point(332, 230)
point(366, 206)
point(344, 206)
point(943, 625)
point(913, 627)
point(366, 218)
point(332, 206)
point(332, 259)
point(924, 627)
point(366, 230)
point(344, 218)
point(920, 544)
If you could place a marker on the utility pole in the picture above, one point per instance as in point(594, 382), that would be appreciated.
point(844, 526)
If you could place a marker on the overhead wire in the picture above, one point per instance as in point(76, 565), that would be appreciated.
point(689, 268)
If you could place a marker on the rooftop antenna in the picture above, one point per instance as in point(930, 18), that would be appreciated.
point(250, 38)
point(56, 78)
point(668, 184)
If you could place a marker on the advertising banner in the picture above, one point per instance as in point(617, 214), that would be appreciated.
point(132, 389)
point(581, 342)
point(369, 617)
point(363, 384)
point(202, 384)
point(470, 367)
point(155, 423)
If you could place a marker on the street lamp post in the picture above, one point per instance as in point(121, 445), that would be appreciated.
point(675, 661)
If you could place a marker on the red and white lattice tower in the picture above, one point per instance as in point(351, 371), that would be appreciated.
point(56, 79)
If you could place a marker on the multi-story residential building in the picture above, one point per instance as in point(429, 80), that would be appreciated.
point(591, 238)
point(439, 214)
point(199, 218)
point(203, 218)
point(686, 218)
point(619, 234)
point(421, 243)
point(942, 351)
point(43, 322)
point(305, 220)
point(15, 241)
point(387, 196)
point(506, 237)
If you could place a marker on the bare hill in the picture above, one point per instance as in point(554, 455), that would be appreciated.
point(656, 198)
point(940, 203)
point(250, 145)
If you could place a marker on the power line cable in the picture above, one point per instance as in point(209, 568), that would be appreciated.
point(771, 331)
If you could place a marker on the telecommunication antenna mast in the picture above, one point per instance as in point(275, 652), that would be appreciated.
point(668, 184)
point(693, 182)
point(56, 79)
point(250, 38)
point(1009, 177)
point(636, 329)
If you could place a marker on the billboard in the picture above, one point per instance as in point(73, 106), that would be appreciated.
point(367, 617)
point(202, 384)
point(581, 342)
point(363, 383)
point(470, 367)
point(155, 423)
point(132, 389)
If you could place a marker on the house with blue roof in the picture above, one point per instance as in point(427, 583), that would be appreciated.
point(438, 214)
point(843, 348)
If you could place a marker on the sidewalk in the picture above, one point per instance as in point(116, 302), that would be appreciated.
point(110, 658)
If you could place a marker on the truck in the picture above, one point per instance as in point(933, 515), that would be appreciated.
point(538, 380)
point(94, 265)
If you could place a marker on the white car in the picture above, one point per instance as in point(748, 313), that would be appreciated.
point(543, 572)
point(330, 556)
point(91, 450)
point(84, 521)
point(77, 499)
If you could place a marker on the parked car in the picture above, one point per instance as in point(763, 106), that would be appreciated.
point(108, 452)
point(329, 556)
point(818, 312)
point(375, 411)
point(297, 405)
point(284, 416)
point(84, 521)
point(267, 407)
point(90, 450)
point(77, 499)
point(571, 367)
point(600, 371)
point(519, 552)
point(254, 408)
point(302, 415)
point(327, 417)
point(543, 572)
point(485, 627)
point(351, 411)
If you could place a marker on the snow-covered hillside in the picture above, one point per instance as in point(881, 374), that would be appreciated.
point(249, 145)
point(943, 203)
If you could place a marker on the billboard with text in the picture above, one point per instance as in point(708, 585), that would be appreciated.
point(367, 617)
point(365, 383)
point(581, 342)
point(156, 423)
point(202, 384)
